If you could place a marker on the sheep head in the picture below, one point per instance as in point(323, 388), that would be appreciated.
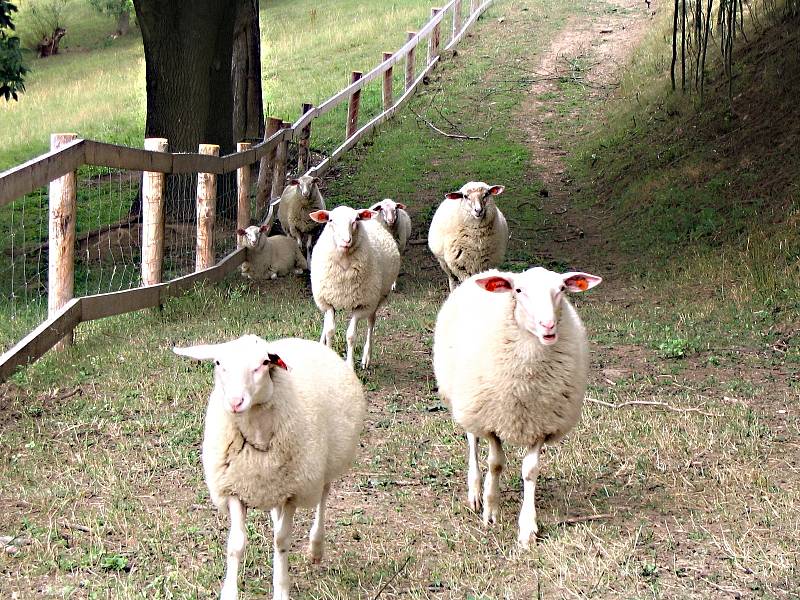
point(343, 222)
point(474, 196)
point(243, 370)
point(539, 295)
point(252, 234)
point(306, 184)
point(388, 208)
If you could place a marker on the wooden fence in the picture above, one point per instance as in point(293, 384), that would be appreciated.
point(58, 167)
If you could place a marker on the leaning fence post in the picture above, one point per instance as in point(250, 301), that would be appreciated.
point(388, 101)
point(303, 151)
point(410, 68)
point(352, 107)
point(153, 217)
point(61, 253)
point(279, 166)
point(206, 212)
point(456, 18)
point(242, 194)
point(433, 41)
point(264, 187)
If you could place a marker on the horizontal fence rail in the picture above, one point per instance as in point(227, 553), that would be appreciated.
point(145, 244)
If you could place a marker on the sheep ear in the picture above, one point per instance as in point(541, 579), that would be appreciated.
point(200, 352)
point(294, 182)
point(401, 205)
point(366, 214)
point(580, 282)
point(495, 284)
point(277, 361)
point(454, 196)
point(496, 190)
point(241, 232)
point(320, 216)
point(376, 207)
point(316, 180)
point(263, 228)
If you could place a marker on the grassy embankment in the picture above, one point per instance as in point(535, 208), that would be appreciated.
point(692, 501)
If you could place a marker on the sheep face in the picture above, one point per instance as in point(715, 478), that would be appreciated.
point(343, 222)
point(252, 234)
point(388, 208)
point(243, 370)
point(474, 196)
point(306, 184)
point(539, 296)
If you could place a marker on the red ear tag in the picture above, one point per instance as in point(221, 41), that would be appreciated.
point(493, 284)
point(365, 214)
point(581, 283)
point(277, 361)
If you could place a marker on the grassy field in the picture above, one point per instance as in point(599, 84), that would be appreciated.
point(693, 495)
point(96, 86)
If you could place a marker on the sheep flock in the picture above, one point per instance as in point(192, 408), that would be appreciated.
point(510, 356)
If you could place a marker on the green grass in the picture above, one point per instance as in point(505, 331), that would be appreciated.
point(695, 492)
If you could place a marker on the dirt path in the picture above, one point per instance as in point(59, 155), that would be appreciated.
point(589, 53)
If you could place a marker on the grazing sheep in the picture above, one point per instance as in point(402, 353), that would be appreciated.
point(282, 423)
point(298, 199)
point(511, 359)
point(270, 257)
point(353, 268)
point(393, 216)
point(471, 235)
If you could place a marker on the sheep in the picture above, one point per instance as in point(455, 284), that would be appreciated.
point(511, 358)
point(353, 268)
point(471, 235)
point(393, 216)
point(298, 199)
point(269, 257)
point(282, 423)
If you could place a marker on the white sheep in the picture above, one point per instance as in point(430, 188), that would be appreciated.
point(282, 423)
point(468, 236)
point(270, 257)
point(353, 267)
point(298, 199)
point(511, 360)
point(393, 216)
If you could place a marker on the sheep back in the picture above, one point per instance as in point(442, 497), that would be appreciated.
point(286, 255)
point(465, 244)
point(305, 436)
point(498, 378)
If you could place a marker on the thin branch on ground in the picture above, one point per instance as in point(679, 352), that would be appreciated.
point(656, 403)
point(456, 136)
point(418, 242)
point(393, 577)
point(583, 519)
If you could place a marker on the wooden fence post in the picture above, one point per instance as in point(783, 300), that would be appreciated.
point(433, 41)
point(61, 253)
point(153, 218)
point(410, 67)
point(456, 18)
point(352, 107)
point(264, 187)
point(279, 166)
point(242, 194)
point(388, 100)
point(303, 151)
point(206, 212)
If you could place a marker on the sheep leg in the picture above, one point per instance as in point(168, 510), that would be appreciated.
point(491, 487)
point(328, 327)
point(527, 516)
point(366, 357)
point(308, 250)
point(282, 518)
point(316, 537)
point(237, 538)
point(473, 474)
point(351, 339)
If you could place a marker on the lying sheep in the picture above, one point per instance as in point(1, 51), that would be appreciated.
point(471, 235)
point(511, 359)
point(393, 216)
point(282, 423)
point(269, 257)
point(353, 268)
point(298, 199)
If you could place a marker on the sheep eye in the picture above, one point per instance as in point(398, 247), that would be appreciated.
point(563, 287)
point(266, 362)
point(216, 362)
point(518, 290)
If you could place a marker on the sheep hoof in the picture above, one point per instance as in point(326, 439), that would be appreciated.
point(474, 501)
point(527, 537)
point(490, 515)
point(273, 276)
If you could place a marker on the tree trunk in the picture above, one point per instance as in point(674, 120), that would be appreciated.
point(248, 109)
point(123, 23)
point(188, 48)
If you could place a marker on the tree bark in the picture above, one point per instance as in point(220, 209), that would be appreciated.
point(248, 108)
